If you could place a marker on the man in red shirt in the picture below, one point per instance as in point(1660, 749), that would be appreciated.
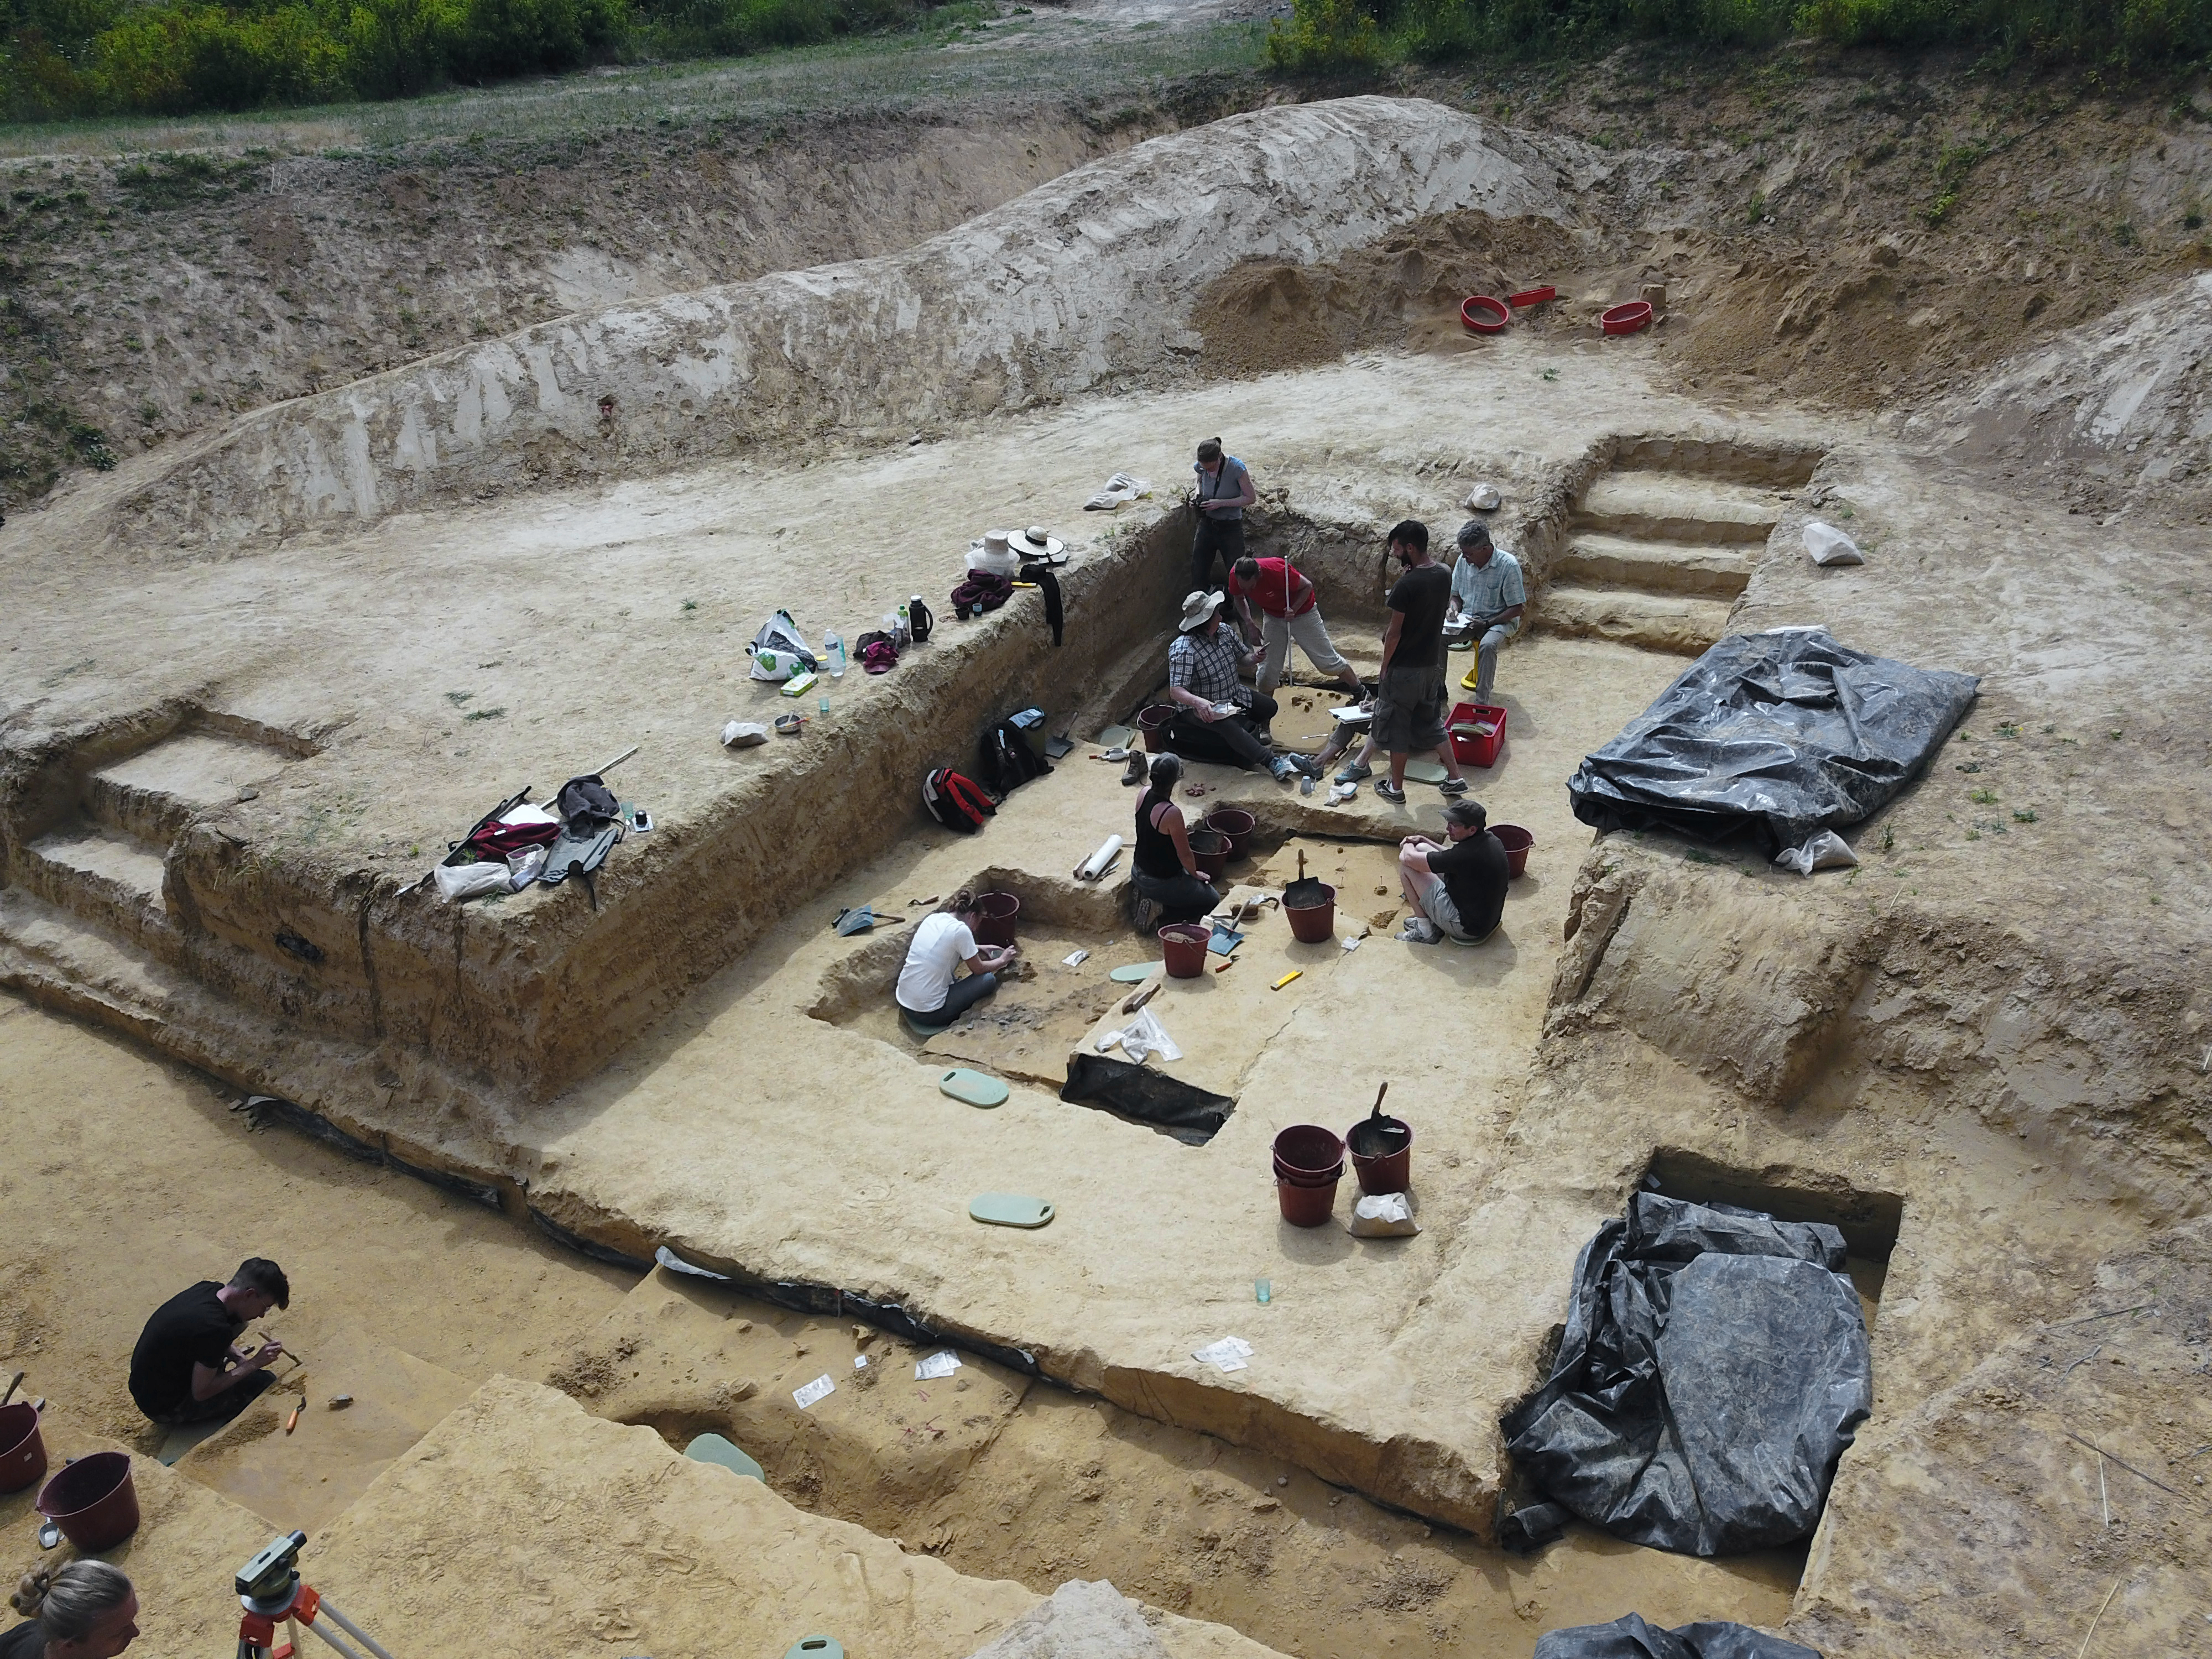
point(1286, 599)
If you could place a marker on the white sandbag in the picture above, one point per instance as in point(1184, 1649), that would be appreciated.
point(743, 734)
point(457, 882)
point(1825, 851)
point(1825, 544)
point(1383, 1215)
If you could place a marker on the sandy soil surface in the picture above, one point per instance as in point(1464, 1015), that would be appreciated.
point(602, 1535)
point(1979, 1051)
point(139, 1180)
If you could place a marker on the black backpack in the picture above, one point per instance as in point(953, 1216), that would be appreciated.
point(1008, 761)
point(956, 801)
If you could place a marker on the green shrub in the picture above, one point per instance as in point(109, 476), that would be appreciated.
point(1344, 34)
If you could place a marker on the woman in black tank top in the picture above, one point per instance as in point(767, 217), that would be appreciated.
point(1162, 868)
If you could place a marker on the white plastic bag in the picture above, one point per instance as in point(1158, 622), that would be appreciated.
point(1825, 851)
point(457, 882)
point(743, 734)
point(1825, 544)
point(779, 650)
point(524, 867)
point(1141, 1038)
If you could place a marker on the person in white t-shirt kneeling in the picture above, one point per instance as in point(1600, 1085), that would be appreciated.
point(930, 987)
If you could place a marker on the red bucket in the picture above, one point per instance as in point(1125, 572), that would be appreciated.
point(1309, 1149)
point(1316, 923)
point(1382, 1152)
point(1184, 943)
point(1211, 849)
point(1306, 1206)
point(1153, 723)
point(22, 1452)
point(995, 916)
point(1235, 822)
point(1626, 318)
point(93, 1501)
point(1516, 842)
point(1484, 315)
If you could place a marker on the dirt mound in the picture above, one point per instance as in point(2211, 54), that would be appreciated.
point(1266, 315)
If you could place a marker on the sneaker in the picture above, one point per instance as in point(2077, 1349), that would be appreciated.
point(1139, 770)
point(1284, 768)
point(1354, 772)
point(1452, 786)
point(1419, 930)
point(1396, 797)
point(1145, 914)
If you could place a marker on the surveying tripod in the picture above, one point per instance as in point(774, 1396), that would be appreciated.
point(269, 1589)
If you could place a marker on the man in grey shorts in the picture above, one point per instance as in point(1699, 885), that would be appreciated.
point(1456, 886)
point(1409, 706)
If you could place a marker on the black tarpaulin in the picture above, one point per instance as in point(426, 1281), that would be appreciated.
point(1714, 1368)
point(1784, 733)
point(1630, 1637)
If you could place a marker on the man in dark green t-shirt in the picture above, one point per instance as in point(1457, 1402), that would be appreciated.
point(185, 1367)
point(1456, 886)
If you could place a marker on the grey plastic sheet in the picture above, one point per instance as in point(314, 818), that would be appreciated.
point(1715, 1366)
point(1782, 733)
point(1630, 1637)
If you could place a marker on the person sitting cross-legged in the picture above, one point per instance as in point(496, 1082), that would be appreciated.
point(1218, 716)
point(1455, 887)
point(930, 988)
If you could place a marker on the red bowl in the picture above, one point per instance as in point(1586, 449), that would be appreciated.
point(1485, 315)
point(1532, 296)
point(1626, 319)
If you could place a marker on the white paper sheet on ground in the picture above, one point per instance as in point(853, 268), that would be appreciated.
point(944, 1362)
point(859, 1362)
point(1141, 1038)
point(1076, 958)
point(1229, 1354)
point(819, 1389)
point(524, 812)
point(1825, 851)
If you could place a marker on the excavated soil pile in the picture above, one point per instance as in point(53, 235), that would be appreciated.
point(1266, 315)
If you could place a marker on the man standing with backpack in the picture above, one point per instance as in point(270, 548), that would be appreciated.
point(1223, 492)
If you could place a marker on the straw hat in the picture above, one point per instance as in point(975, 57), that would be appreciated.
point(1035, 544)
point(1197, 608)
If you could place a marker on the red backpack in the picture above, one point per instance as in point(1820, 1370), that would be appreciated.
point(954, 801)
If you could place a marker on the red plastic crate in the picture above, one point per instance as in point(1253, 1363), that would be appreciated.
point(1469, 749)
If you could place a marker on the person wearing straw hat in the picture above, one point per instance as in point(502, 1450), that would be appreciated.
point(1218, 716)
point(1289, 609)
point(1217, 500)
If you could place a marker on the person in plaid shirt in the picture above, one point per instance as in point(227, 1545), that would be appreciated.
point(1202, 680)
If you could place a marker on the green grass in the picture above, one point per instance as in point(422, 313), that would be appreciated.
point(1073, 60)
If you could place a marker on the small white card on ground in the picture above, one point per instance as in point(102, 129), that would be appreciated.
point(942, 1364)
point(1229, 1354)
point(819, 1389)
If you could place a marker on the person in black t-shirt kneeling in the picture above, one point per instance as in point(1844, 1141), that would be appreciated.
point(86, 1610)
point(185, 1369)
point(1457, 887)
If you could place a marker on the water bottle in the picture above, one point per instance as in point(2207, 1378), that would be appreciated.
point(832, 653)
point(824, 705)
point(905, 627)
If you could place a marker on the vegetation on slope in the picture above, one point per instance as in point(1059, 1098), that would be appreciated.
point(1334, 35)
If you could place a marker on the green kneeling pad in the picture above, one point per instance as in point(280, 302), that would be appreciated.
point(1134, 971)
point(815, 1647)
point(1424, 771)
point(914, 1022)
point(976, 1088)
point(1009, 1210)
point(714, 1448)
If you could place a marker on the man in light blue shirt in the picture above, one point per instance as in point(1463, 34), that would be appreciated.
point(1487, 600)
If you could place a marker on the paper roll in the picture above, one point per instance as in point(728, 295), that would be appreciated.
point(1092, 867)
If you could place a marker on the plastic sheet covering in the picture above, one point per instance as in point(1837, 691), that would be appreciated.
point(1783, 733)
point(1630, 1637)
point(1715, 1366)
